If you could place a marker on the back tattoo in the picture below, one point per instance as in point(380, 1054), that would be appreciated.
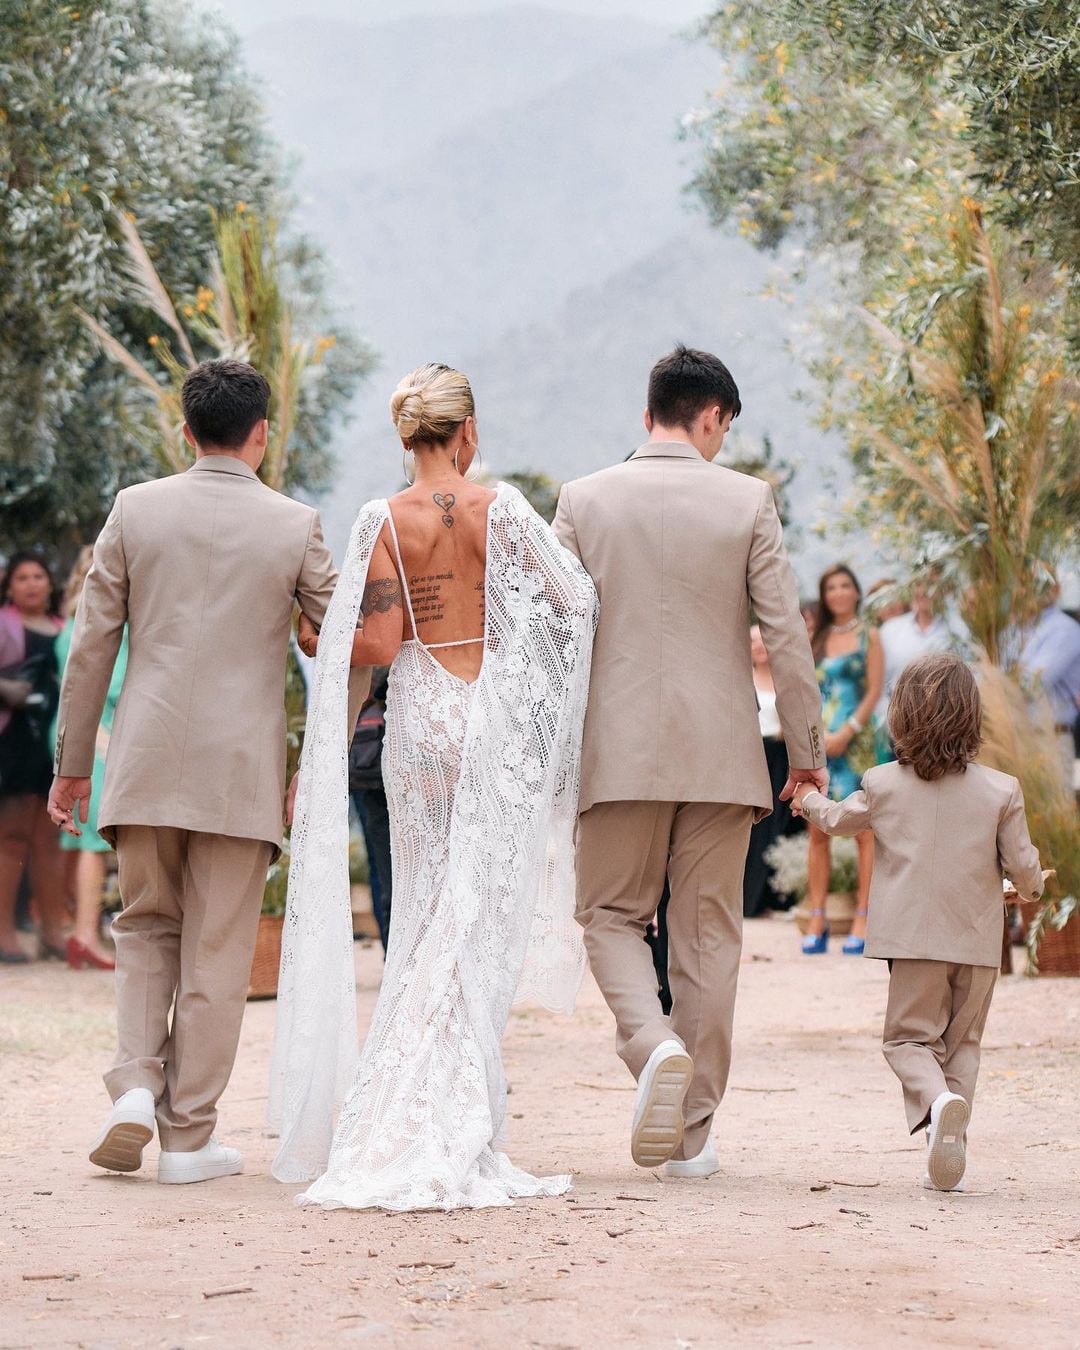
point(445, 503)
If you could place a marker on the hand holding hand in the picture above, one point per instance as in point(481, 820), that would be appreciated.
point(801, 793)
point(307, 636)
point(818, 778)
point(69, 801)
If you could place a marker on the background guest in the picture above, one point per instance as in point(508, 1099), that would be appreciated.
point(759, 896)
point(84, 946)
point(914, 633)
point(1051, 652)
point(890, 607)
point(906, 636)
point(851, 675)
point(29, 692)
point(369, 799)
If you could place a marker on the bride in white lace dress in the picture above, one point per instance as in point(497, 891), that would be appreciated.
point(488, 623)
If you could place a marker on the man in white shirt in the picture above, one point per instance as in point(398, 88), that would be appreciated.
point(1052, 653)
point(908, 636)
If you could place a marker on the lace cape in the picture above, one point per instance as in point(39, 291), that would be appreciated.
point(517, 800)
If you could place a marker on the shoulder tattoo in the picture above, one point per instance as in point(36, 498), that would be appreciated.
point(381, 596)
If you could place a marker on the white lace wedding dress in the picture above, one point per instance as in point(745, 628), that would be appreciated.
point(481, 781)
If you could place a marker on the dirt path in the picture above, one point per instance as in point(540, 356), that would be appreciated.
point(815, 1232)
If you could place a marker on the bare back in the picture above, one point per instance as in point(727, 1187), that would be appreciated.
point(442, 537)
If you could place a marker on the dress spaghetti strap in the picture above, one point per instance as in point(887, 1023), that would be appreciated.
point(401, 570)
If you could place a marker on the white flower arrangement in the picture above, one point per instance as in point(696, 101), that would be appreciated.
point(788, 860)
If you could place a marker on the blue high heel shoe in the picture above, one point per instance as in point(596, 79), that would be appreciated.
point(816, 944)
point(855, 946)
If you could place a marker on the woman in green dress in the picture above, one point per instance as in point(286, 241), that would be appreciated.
point(851, 672)
point(84, 946)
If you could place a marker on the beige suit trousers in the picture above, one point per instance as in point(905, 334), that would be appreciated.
point(624, 850)
point(934, 1023)
point(184, 940)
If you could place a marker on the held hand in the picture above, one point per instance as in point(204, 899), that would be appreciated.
point(69, 802)
point(307, 636)
point(819, 778)
point(290, 800)
point(801, 793)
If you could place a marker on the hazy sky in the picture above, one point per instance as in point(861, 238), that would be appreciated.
point(248, 14)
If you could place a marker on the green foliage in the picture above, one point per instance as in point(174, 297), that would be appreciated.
point(1019, 738)
point(540, 491)
point(932, 149)
point(110, 109)
point(244, 313)
point(964, 424)
point(830, 105)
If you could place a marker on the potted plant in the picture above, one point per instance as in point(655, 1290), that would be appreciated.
point(788, 859)
point(267, 958)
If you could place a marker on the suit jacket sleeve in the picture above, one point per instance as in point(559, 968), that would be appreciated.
point(564, 525)
point(95, 642)
point(775, 598)
point(1017, 854)
point(851, 816)
point(314, 587)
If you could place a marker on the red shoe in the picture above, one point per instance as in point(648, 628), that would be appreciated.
point(80, 955)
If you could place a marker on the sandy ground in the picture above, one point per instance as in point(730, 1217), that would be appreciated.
point(815, 1232)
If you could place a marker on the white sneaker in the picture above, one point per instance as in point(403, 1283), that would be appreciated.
point(928, 1185)
point(704, 1165)
point(947, 1157)
point(129, 1129)
point(658, 1108)
point(202, 1164)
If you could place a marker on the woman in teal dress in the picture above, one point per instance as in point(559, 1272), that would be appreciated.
point(84, 947)
point(850, 671)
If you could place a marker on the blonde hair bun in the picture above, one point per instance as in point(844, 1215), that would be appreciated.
point(407, 411)
point(430, 404)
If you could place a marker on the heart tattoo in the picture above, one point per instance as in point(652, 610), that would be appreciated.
point(445, 502)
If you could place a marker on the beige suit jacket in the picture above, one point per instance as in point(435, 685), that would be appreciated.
point(204, 568)
point(940, 850)
point(679, 550)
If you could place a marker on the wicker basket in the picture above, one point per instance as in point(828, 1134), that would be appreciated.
point(267, 958)
point(1059, 948)
point(840, 907)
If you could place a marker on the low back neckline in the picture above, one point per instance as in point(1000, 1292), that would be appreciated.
point(416, 639)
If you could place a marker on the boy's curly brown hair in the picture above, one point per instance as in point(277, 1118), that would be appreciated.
point(935, 716)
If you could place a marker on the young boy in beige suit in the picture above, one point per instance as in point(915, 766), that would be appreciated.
point(945, 829)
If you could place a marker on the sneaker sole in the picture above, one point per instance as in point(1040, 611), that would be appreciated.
point(121, 1148)
point(209, 1172)
point(698, 1175)
point(659, 1131)
point(948, 1158)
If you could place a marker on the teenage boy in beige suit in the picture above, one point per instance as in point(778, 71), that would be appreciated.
point(204, 568)
point(945, 830)
point(673, 771)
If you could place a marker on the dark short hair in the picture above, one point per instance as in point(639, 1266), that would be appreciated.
point(222, 401)
point(935, 716)
point(684, 383)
